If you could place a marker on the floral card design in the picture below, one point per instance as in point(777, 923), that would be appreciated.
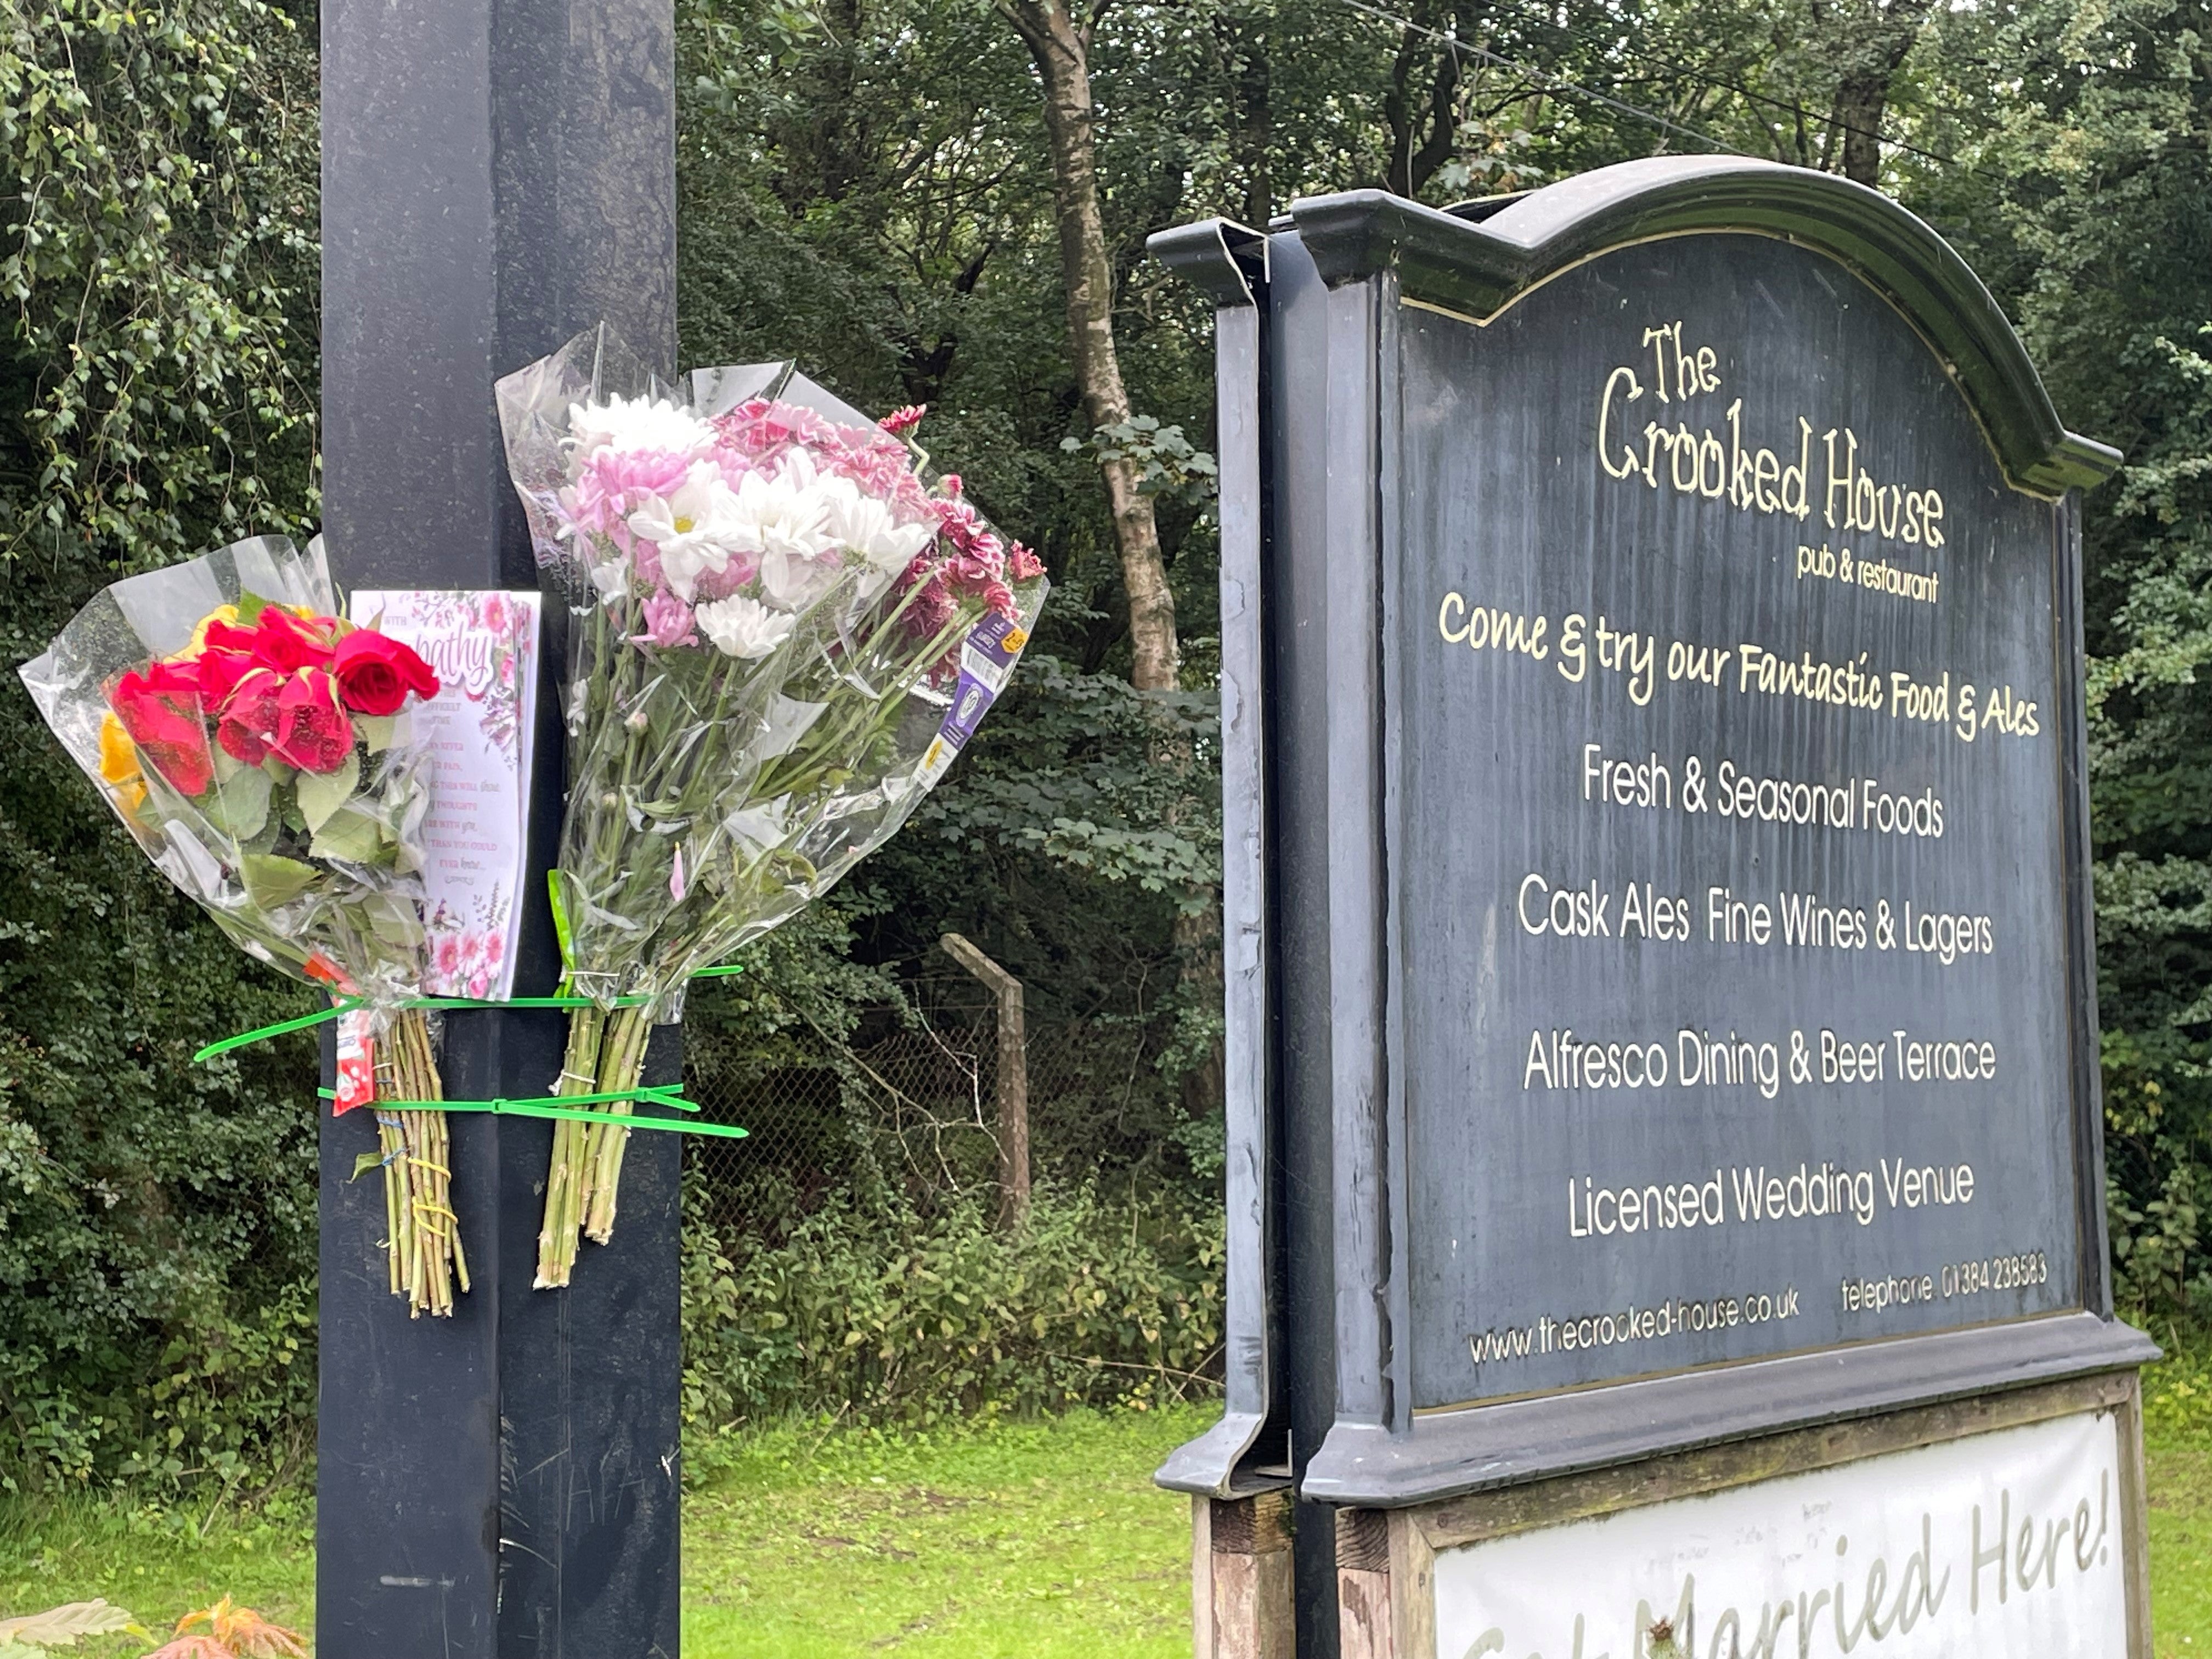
point(483, 645)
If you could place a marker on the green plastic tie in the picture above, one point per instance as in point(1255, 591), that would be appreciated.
point(558, 1106)
point(346, 1004)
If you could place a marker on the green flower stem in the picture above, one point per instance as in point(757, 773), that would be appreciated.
point(812, 762)
point(556, 1238)
point(583, 1186)
point(387, 1142)
point(696, 794)
point(891, 617)
point(810, 766)
point(394, 1081)
point(622, 1062)
point(436, 1231)
point(422, 1238)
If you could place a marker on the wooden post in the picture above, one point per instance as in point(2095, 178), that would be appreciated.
point(506, 1483)
point(1013, 1079)
point(1241, 1577)
point(1365, 1629)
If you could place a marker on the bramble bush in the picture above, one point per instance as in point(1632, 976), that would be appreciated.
point(866, 1308)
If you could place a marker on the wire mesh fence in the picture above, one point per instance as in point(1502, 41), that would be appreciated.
point(910, 1099)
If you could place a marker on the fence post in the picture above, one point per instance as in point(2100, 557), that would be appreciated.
point(1013, 1079)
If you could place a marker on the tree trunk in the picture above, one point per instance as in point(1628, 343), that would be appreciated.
point(1876, 50)
point(1244, 56)
point(1422, 129)
point(1062, 49)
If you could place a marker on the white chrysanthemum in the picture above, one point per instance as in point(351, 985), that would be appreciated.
point(696, 527)
point(639, 425)
point(865, 523)
point(784, 515)
point(612, 578)
point(741, 626)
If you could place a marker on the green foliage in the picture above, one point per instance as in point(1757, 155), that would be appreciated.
point(2084, 196)
point(159, 385)
point(1167, 464)
point(2177, 1390)
point(157, 252)
point(868, 1307)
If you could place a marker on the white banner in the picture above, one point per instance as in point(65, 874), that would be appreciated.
point(2003, 1543)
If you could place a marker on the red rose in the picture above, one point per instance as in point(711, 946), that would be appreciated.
point(314, 732)
point(278, 640)
point(251, 716)
point(160, 708)
point(219, 672)
point(376, 672)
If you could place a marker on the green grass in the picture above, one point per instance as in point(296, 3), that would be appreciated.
point(160, 1564)
point(1036, 1539)
point(2177, 1446)
point(2181, 1545)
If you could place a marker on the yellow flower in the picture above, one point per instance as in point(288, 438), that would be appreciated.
point(119, 764)
point(225, 614)
point(118, 756)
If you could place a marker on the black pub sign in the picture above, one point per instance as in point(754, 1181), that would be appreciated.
point(1662, 1006)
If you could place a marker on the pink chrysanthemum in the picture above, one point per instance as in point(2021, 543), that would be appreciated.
point(614, 483)
point(667, 621)
point(712, 585)
point(755, 436)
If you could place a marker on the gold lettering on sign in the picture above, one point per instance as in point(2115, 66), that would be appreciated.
point(1718, 462)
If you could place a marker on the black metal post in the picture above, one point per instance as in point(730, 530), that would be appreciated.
point(497, 175)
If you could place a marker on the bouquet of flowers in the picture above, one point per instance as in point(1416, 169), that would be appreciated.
point(781, 633)
point(255, 745)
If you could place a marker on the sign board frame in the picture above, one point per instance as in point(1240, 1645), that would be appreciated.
point(1307, 351)
point(1386, 1559)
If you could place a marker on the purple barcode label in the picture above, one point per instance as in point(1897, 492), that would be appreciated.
point(972, 699)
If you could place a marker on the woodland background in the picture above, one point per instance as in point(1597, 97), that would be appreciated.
point(914, 198)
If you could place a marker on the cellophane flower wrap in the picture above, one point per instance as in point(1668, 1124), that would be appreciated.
point(257, 746)
point(780, 631)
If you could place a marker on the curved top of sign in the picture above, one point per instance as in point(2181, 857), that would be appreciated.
point(1478, 259)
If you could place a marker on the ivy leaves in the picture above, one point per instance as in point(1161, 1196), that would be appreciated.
point(158, 260)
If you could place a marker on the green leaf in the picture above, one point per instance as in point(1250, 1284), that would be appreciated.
point(250, 607)
point(396, 922)
point(362, 1164)
point(350, 835)
point(378, 730)
point(237, 806)
point(321, 793)
point(271, 880)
